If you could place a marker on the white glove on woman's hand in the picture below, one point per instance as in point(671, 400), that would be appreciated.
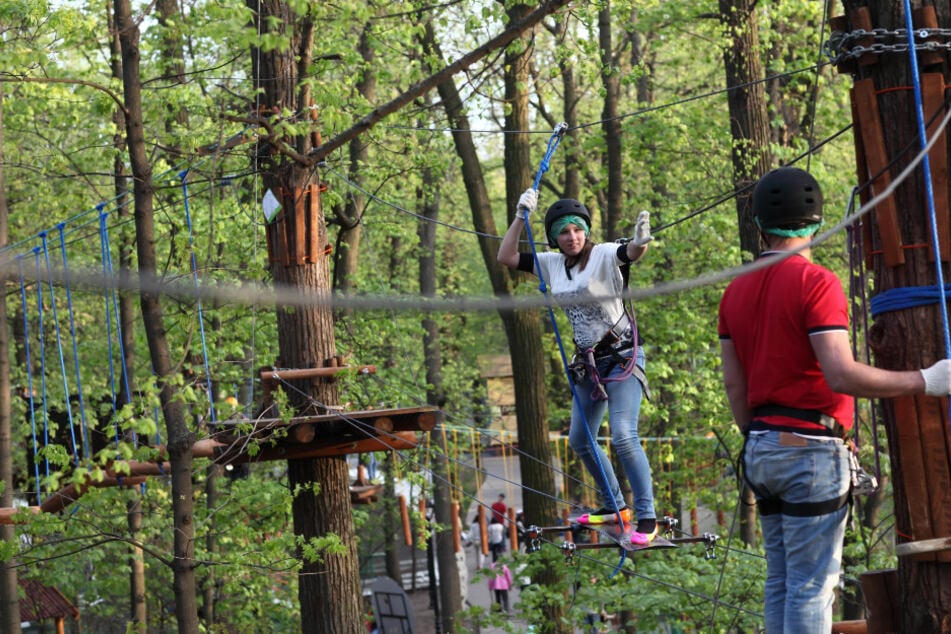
point(527, 203)
point(938, 378)
point(642, 229)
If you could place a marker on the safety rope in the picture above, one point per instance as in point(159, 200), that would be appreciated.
point(84, 428)
point(29, 378)
point(926, 169)
point(858, 296)
point(553, 142)
point(112, 312)
point(183, 175)
point(59, 344)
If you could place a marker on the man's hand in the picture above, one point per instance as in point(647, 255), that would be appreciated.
point(938, 378)
point(642, 229)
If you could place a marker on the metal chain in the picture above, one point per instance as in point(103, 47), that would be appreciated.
point(843, 46)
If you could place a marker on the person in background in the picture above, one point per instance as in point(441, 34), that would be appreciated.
point(496, 540)
point(499, 583)
point(520, 527)
point(475, 538)
point(790, 378)
point(499, 510)
point(587, 281)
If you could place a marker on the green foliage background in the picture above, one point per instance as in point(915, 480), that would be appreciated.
point(58, 129)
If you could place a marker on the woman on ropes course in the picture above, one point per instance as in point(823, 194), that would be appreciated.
point(790, 378)
point(608, 374)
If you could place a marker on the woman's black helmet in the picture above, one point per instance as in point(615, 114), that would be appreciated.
point(788, 198)
point(560, 209)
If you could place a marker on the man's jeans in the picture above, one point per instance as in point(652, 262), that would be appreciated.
point(803, 554)
point(623, 406)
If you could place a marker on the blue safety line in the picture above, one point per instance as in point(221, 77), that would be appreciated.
point(87, 447)
point(59, 348)
point(183, 175)
point(926, 167)
point(553, 142)
point(112, 312)
point(29, 377)
point(42, 342)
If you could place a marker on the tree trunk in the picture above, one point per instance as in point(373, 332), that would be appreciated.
point(392, 521)
point(179, 438)
point(138, 609)
point(522, 326)
point(9, 603)
point(749, 125)
point(450, 593)
point(347, 251)
point(522, 329)
point(329, 585)
point(909, 338)
point(612, 159)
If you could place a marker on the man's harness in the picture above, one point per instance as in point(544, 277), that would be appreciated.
point(770, 505)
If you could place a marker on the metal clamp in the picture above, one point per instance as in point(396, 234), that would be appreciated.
point(710, 542)
point(534, 543)
point(568, 550)
point(670, 524)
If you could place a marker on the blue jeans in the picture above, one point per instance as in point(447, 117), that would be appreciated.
point(623, 406)
point(803, 554)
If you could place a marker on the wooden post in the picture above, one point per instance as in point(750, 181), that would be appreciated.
point(407, 527)
point(908, 338)
point(483, 533)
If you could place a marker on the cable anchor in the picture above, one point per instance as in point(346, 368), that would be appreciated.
point(534, 543)
point(568, 550)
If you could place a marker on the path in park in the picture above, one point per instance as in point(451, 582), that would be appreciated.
point(501, 476)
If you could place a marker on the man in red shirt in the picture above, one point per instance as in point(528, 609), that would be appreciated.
point(790, 377)
point(499, 510)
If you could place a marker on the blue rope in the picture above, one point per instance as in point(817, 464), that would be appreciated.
point(553, 142)
point(72, 330)
point(42, 342)
point(112, 312)
point(183, 175)
point(29, 377)
point(908, 297)
point(59, 348)
point(926, 167)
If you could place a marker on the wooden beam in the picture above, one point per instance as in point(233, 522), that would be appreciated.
point(876, 160)
point(8, 514)
point(932, 91)
point(311, 373)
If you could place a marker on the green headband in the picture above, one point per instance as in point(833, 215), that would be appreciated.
point(802, 232)
point(559, 225)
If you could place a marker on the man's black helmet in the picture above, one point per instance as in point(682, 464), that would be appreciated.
point(787, 197)
point(560, 209)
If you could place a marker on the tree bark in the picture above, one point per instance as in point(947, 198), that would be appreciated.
point(749, 128)
point(522, 327)
point(9, 601)
point(138, 608)
point(910, 338)
point(450, 593)
point(329, 586)
point(179, 438)
point(749, 125)
point(612, 159)
point(347, 252)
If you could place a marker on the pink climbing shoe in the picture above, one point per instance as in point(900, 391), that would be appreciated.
point(605, 516)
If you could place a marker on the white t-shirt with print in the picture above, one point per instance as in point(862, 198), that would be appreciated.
point(601, 279)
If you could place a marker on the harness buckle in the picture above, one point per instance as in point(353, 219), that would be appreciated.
point(863, 483)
